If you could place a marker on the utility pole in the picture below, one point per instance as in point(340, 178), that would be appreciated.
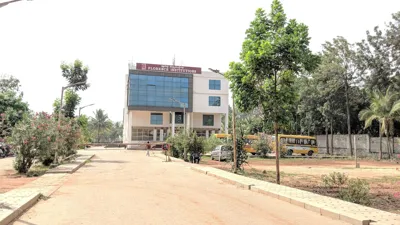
point(233, 127)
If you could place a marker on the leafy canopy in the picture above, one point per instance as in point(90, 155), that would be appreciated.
point(274, 51)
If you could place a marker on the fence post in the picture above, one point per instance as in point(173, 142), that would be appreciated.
point(369, 143)
point(355, 151)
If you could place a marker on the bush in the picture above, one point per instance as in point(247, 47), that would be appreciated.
point(357, 191)
point(211, 143)
point(241, 155)
point(262, 147)
point(36, 137)
point(335, 179)
point(182, 143)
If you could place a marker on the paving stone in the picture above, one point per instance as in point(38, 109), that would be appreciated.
point(324, 205)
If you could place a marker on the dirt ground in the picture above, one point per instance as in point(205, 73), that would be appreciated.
point(126, 187)
point(305, 174)
point(9, 178)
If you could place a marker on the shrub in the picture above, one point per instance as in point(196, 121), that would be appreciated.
point(335, 180)
point(211, 143)
point(182, 143)
point(36, 137)
point(357, 191)
point(23, 141)
point(262, 147)
point(241, 154)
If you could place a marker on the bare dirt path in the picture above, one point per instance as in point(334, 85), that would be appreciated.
point(125, 187)
point(9, 179)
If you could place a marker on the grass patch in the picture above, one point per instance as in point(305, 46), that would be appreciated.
point(37, 170)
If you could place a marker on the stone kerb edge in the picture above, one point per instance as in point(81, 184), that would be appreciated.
point(15, 213)
point(295, 201)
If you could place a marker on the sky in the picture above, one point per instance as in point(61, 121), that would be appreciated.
point(36, 36)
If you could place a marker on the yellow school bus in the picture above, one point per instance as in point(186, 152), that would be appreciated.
point(249, 139)
point(223, 136)
point(296, 144)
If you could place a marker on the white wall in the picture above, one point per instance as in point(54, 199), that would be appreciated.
point(201, 93)
point(142, 119)
point(198, 120)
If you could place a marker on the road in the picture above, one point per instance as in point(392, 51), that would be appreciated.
point(126, 187)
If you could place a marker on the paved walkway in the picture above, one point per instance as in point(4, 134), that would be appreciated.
point(125, 187)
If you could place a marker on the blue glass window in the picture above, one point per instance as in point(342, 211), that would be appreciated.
point(214, 84)
point(208, 120)
point(214, 101)
point(156, 118)
point(148, 90)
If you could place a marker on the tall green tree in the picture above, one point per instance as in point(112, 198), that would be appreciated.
point(115, 132)
point(385, 108)
point(74, 73)
point(12, 106)
point(100, 123)
point(9, 83)
point(275, 49)
point(70, 103)
point(346, 60)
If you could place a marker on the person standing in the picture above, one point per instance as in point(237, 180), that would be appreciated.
point(148, 146)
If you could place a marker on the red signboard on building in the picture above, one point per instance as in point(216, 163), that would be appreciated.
point(168, 68)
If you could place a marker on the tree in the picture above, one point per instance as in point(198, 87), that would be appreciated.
point(115, 132)
point(71, 101)
point(75, 73)
point(100, 122)
point(12, 109)
point(343, 56)
point(274, 51)
point(9, 83)
point(86, 136)
point(386, 109)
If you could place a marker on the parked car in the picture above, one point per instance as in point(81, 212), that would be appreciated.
point(222, 152)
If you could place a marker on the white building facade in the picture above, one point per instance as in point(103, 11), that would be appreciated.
point(161, 99)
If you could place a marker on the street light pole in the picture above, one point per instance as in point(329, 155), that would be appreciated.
point(60, 114)
point(79, 114)
point(233, 127)
point(8, 2)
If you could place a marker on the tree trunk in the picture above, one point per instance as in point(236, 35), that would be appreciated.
point(393, 144)
point(332, 135)
point(98, 134)
point(327, 137)
point(388, 143)
point(346, 85)
point(277, 153)
point(380, 142)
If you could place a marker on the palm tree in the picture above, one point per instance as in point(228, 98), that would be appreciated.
point(116, 131)
point(100, 122)
point(385, 108)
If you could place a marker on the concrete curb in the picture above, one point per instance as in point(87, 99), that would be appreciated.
point(18, 208)
point(350, 213)
point(17, 201)
point(71, 167)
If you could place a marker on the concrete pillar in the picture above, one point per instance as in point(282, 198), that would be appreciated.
point(226, 122)
point(220, 131)
point(207, 133)
point(369, 143)
point(213, 132)
point(162, 135)
point(173, 124)
point(155, 135)
point(188, 120)
point(130, 121)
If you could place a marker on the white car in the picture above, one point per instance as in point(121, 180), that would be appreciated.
point(222, 152)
